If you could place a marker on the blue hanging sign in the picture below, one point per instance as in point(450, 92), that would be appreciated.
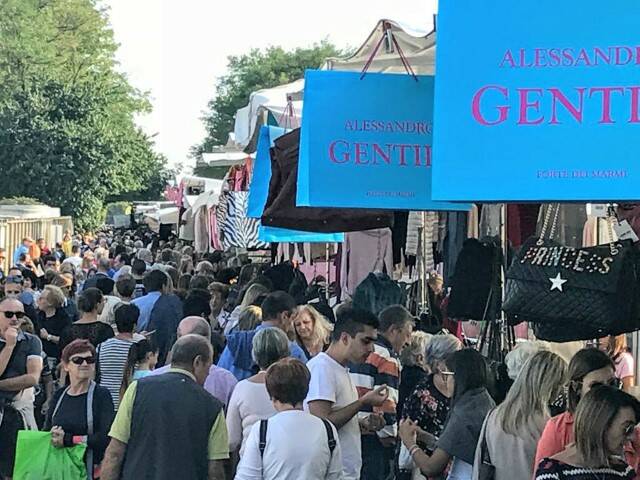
point(537, 102)
point(366, 143)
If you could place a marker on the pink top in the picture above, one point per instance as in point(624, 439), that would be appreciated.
point(557, 434)
point(625, 366)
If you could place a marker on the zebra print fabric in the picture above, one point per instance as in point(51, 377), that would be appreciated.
point(236, 229)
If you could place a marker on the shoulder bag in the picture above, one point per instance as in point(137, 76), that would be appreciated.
point(573, 293)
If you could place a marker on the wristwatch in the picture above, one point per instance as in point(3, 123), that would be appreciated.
point(49, 337)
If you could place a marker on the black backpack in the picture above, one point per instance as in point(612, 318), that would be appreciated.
point(262, 445)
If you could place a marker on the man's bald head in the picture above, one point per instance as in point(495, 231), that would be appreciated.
point(194, 354)
point(196, 326)
point(11, 305)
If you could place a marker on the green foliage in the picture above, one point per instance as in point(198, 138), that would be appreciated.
point(19, 201)
point(250, 72)
point(67, 130)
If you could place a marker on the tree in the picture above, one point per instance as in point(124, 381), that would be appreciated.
point(250, 72)
point(67, 131)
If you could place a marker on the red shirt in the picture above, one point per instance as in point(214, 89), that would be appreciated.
point(557, 434)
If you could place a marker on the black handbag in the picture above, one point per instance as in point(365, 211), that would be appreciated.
point(573, 294)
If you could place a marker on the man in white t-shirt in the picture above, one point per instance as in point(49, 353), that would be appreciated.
point(75, 258)
point(332, 394)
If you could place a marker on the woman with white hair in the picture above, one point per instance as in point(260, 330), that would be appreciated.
point(414, 366)
point(429, 403)
point(250, 401)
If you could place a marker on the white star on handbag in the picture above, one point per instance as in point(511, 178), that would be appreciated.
point(557, 282)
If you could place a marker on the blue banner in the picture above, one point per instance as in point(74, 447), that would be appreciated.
point(259, 187)
point(367, 143)
point(537, 101)
point(259, 191)
point(279, 235)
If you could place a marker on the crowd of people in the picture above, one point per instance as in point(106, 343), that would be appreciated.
point(167, 364)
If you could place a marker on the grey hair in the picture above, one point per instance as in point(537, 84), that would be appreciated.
point(417, 346)
point(439, 348)
point(516, 358)
point(188, 347)
point(269, 345)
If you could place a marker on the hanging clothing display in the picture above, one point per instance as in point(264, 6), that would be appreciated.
point(281, 211)
point(476, 284)
point(237, 230)
point(456, 235)
point(377, 292)
point(631, 213)
point(522, 219)
point(490, 220)
point(399, 231)
point(201, 230)
point(363, 253)
point(430, 226)
point(570, 221)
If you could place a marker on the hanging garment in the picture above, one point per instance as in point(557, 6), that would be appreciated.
point(281, 211)
point(522, 219)
point(475, 285)
point(377, 292)
point(363, 253)
point(430, 226)
point(201, 230)
point(456, 235)
point(631, 213)
point(399, 231)
point(570, 221)
point(238, 230)
point(490, 220)
point(473, 222)
point(214, 231)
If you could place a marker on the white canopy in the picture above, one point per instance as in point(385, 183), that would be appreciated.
point(274, 100)
point(418, 46)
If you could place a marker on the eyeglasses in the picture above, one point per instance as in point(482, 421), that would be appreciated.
point(15, 279)
point(13, 292)
point(18, 315)
point(80, 360)
point(448, 374)
point(628, 432)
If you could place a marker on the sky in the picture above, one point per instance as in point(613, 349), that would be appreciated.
point(176, 49)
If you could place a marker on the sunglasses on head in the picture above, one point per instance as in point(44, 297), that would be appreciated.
point(80, 360)
point(18, 315)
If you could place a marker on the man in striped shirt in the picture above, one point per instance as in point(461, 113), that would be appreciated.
point(382, 367)
point(112, 354)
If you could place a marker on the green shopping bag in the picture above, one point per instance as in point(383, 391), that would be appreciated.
point(37, 459)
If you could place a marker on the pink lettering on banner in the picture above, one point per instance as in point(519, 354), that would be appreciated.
point(525, 105)
point(606, 101)
point(503, 110)
point(635, 97)
point(361, 154)
point(332, 152)
point(558, 96)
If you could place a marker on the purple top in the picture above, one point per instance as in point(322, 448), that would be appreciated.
point(219, 383)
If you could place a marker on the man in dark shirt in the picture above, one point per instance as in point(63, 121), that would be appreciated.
point(20, 368)
point(168, 426)
point(101, 279)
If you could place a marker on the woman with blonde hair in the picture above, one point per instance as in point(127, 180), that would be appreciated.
point(510, 433)
point(250, 298)
point(250, 318)
point(312, 330)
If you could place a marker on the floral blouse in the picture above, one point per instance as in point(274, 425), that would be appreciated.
point(428, 407)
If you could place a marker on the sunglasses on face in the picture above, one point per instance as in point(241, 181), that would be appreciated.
point(13, 292)
point(80, 360)
point(18, 315)
point(628, 431)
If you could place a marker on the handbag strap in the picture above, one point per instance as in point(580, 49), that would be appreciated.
point(485, 456)
point(545, 223)
point(90, 426)
point(611, 216)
